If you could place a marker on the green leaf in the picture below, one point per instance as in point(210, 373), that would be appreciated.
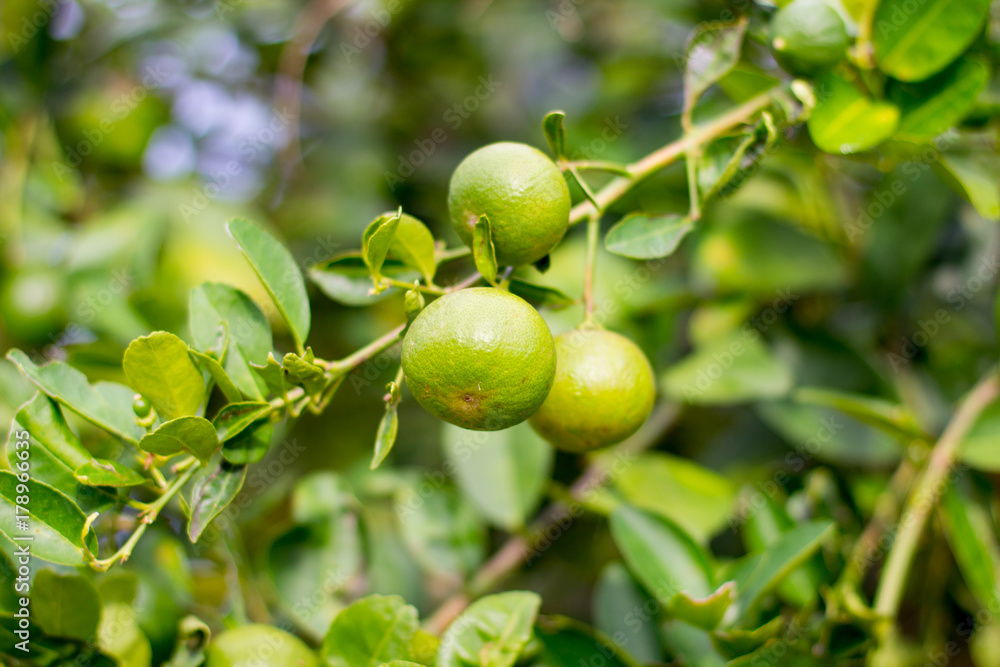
point(54, 450)
point(828, 435)
point(55, 523)
point(691, 645)
point(616, 598)
point(662, 557)
point(482, 250)
point(413, 244)
point(914, 40)
point(695, 498)
point(219, 376)
point(555, 134)
point(733, 368)
point(757, 573)
point(278, 272)
point(346, 279)
point(968, 526)
point(540, 296)
point(212, 492)
point(929, 108)
point(273, 375)
point(846, 121)
point(442, 531)
point(502, 473)
point(372, 631)
point(979, 447)
point(119, 634)
point(375, 244)
point(713, 50)
point(893, 418)
point(194, 435)
point(305, 371)
point(704, 612)
point(249, 445)
point(492, 632)
point(566, 642)
point(70, 387)
point(642, 236)
point(65, 605)
point(159, 367)
point(215, 304)
point(385, 437)
point(102, 472)
point(976, 177)
point(235, 417)
point(727, 162)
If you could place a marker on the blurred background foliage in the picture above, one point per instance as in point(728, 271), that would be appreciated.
point(132, 130)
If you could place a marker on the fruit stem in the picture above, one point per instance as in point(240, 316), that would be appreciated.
point(668, 154)
point(593, 233)
point(927, 492)
point(426, 289)
point(519, 549)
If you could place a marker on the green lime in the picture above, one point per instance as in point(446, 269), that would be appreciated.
point(480, 358)
point(523, 194)
point(32, 304)
point(602, 393)
point(258, 645)
point(808, 36)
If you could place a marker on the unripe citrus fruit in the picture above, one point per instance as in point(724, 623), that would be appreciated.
point(479, 358)
point(523, 194)
point(602, 393)
point(257, 646)
point(808, 36)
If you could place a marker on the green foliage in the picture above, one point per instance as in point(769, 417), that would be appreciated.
point(199, 441)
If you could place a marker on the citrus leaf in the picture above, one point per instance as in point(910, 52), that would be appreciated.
point(662, 556)
point(375, 244)
point(757, 573)
point(194, 435)
point(235, 417)
point(346, 279)
point(102, 472)
point(219, 375)
point(492, 632)
point(930, 107)
point(215, 304)
point(713, 50)
point(55, 523)
point(914, 40)
point(616, 596)
point(566, 642)
point(704, 612)
point(976, 177)
point(893, 418)
point(502, 473)
point(55, 450)
point(442, 530)
point(249, 445)
point(385, 438)
point(65, 605)
point(212, 492)
point(643, 236)
point(968, 527)
point(371, 631)
point(413, 244)
point(726, 163)
point(539, 296)
point(305, 371)
point(555, 134)
point(482, 250)
point(847, 121)
point(729, 369)
point(70, 387)
point(978, 448)
point(278, 272)
point(159, 367)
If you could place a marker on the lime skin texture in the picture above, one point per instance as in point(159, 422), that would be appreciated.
point(523, 194)
point(603, 391)
point(808, 36)
point(480, 358)
point(257, 645)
